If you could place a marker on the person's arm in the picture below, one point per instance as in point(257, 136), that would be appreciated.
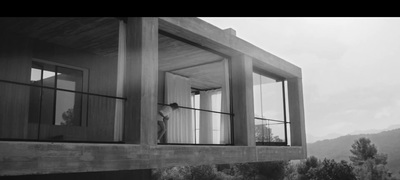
point(166, 118)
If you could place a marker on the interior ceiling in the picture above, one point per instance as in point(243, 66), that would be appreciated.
point(100, 36)
point(204, 68)
point(207, 76)
point(95, 35)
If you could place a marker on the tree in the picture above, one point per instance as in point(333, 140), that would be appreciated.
point(68, 117)
point(245, 170)
point(368, 164)
point(264, 134)
point(201, 172)
point(314, 169)
point(362, 149)
point(274, 170)
point(331, 170)
point(307, 166)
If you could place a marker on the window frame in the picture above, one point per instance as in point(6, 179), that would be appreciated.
point(285, 106)
point(85, 88)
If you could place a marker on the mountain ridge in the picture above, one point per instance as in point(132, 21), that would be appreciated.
point(312, 138)
point(387, 142)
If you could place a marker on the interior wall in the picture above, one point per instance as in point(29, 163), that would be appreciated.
point(15, 56)
point(16, 53)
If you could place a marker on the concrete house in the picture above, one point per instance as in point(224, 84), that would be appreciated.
point(79, 97)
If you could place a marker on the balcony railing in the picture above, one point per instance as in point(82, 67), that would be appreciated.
point(89, 117)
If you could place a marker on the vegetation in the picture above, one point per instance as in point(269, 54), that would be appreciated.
point(68, 117)
point(365, 164)
point(387, 142)
point(369, 165)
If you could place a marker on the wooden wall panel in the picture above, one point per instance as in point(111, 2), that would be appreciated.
point(14, 99)
point(16, 53)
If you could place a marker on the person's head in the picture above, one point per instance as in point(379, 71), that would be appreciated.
point(174, 106)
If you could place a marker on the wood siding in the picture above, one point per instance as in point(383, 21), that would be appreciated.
point(17, 53)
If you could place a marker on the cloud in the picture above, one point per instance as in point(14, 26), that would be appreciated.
point(383, 113)
point(350, 66)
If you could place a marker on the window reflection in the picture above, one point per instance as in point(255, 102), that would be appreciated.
point(269, 110)
point(68, 104)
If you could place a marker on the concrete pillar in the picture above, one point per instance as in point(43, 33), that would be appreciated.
point(141, 81)
point(242, 99)
point(296, 113)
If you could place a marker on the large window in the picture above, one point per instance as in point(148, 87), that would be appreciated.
point(270, 110)
point(198, 80)
point(69, 108)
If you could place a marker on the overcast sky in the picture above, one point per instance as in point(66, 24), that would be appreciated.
point(351, 66)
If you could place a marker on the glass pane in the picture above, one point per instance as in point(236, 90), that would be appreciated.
point(257, 95)
point(209, 127)
point(34, 94)
point(272, 99)
point(36, 76)
point(68, 104)
point(70, 79)
point(287, 102)
point(225, 129)
point(47, 108)
point(277, 132)
point(49, 74)
point(259, 130)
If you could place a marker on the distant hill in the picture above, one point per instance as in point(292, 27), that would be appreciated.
point(387, 142)
point(312, 138)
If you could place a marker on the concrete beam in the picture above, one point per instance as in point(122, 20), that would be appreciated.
point(22, 158)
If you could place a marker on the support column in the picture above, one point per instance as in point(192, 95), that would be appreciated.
point(296, 113)
point(242, 101)
point(140, 126)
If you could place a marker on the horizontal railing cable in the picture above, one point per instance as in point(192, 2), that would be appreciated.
point(60, 89)
point(265, 119)
point(183, 107)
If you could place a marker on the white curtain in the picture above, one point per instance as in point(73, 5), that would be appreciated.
point(225, 127)
point(180, 127)
point(215, 128)
point(209, 100)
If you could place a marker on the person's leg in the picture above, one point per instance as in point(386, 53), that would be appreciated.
point(162, 130)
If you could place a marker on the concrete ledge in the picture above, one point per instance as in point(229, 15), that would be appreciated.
point(22, 158)
point(279, 153)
